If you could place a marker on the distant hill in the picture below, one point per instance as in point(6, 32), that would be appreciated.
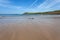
point(57, 12)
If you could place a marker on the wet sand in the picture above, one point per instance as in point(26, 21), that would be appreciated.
point(25, 28)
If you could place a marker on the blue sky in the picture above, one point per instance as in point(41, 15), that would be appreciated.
point(21, 6)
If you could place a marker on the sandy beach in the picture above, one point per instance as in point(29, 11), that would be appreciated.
point(25, 28)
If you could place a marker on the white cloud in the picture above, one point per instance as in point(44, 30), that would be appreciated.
point(6, 3)
point(10, 6)
point(33, 3)
point(48, 4)
point(44, 4)
point(54, 2)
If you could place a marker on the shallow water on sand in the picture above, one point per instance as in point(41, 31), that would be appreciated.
point(30, 27)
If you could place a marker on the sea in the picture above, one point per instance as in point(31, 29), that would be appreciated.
point(13, 18)
point(11, 15)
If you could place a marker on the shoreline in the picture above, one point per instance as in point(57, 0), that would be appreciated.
point(22, 28)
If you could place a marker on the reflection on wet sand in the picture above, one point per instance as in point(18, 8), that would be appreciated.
point(44, 28)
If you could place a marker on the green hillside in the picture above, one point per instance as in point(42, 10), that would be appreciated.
point(57, 12)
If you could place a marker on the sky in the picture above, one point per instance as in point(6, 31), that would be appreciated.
point(21, 6)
